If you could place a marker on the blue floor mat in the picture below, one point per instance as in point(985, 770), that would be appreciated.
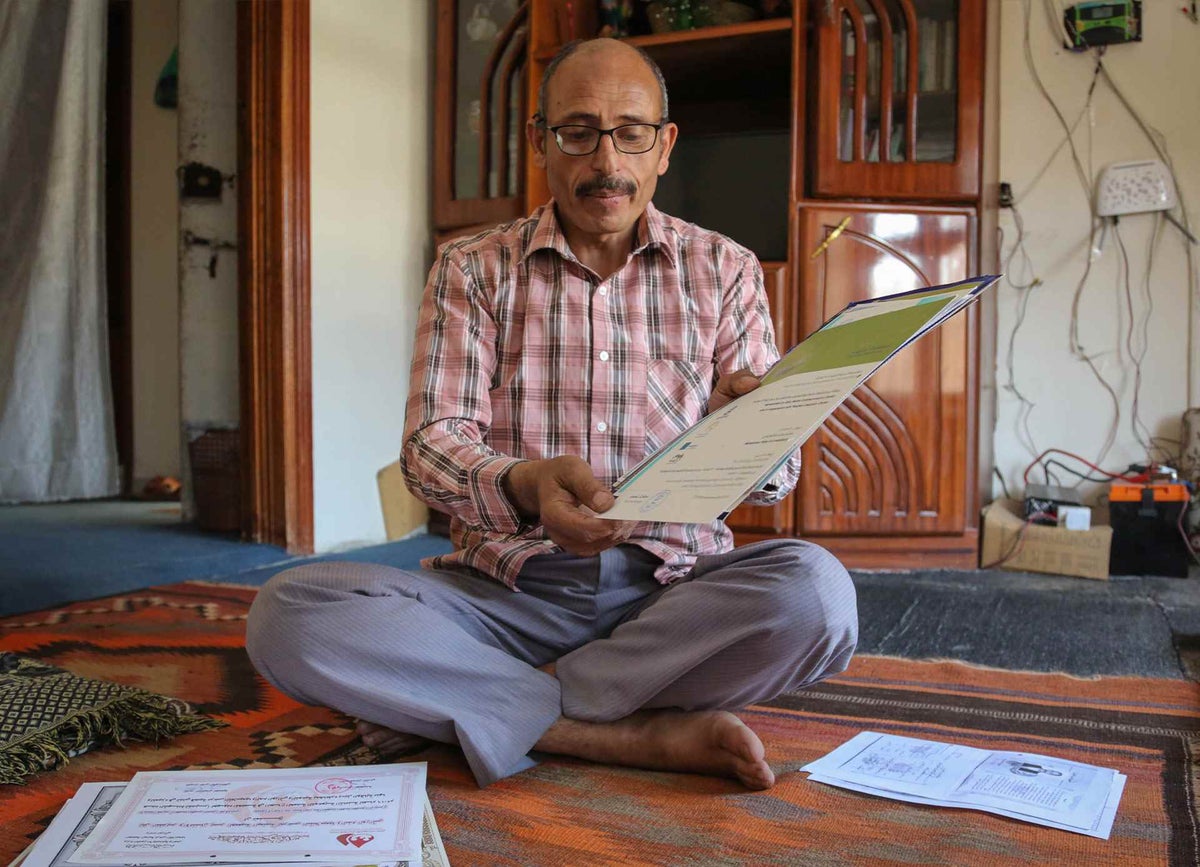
point(54, 554)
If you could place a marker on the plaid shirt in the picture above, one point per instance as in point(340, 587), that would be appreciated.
point(523, 353)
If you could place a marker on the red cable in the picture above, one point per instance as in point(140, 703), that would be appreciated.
point(1121, 476)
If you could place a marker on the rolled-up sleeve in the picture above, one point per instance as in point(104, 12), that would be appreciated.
point(445, 458)
point(746, 339)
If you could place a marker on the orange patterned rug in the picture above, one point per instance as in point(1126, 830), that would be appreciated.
point(186, 640)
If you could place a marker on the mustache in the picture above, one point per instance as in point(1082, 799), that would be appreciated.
point(606, 184)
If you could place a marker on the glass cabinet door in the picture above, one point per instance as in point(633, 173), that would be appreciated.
point(480, 110)
point(898, 98)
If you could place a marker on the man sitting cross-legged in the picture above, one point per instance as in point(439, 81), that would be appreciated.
point(553, 354)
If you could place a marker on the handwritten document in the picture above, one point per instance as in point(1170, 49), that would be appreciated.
point(709, 468)
point(1058, 793)
point(357, 815)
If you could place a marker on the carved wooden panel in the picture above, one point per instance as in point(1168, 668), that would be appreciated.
point(779, 519)
point(898, 456)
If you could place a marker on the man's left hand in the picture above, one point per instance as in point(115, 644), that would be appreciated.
point(731, 386)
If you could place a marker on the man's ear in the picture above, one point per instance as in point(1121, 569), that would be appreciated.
point(667, 138)
point(536, 134)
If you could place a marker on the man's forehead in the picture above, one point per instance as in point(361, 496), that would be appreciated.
point(610, 78)
point(602, 97)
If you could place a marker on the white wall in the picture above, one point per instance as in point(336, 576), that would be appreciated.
point(208, 305)
point(371, 246)
point(1072, 410)
point(154, 218)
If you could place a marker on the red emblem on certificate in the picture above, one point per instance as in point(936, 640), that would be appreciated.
point(332, 786)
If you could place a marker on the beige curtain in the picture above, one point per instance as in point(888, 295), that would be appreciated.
point(56, 425)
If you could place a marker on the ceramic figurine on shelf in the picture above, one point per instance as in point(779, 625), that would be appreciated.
point(614, 17)
point(668, 15)
point(714, 13)
point(480, 26)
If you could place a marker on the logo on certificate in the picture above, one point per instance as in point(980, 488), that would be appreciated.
point(332, 786)
point(356, 840)
point(657, 500)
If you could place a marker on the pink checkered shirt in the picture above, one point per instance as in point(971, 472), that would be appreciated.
point(523, 353)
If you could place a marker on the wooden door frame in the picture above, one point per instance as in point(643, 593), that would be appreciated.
point(274, 273)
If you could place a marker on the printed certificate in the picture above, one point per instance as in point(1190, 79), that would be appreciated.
point(356, 815)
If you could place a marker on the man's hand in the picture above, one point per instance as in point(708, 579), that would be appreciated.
point(559, 492)
point(730, 386)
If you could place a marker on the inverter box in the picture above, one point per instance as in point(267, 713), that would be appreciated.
point(1053, 550)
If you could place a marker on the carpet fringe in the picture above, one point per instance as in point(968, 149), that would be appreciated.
point(139, 717)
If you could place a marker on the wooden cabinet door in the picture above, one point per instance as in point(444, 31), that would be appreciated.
point(898, 457)
point(480, 107)
point(757, 522)
point(898, 99)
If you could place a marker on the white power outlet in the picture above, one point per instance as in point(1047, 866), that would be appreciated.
point(1135, 187)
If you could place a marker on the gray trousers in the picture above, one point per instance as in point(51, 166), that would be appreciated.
point(453, 656)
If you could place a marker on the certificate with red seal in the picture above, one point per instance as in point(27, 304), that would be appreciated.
point(353, 815)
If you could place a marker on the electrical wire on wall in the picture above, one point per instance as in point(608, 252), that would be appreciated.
point(1159, 142)
point(1025, 406)
point(1136, 336)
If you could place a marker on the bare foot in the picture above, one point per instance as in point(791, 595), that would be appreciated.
point(702, 742)
point(386, 741)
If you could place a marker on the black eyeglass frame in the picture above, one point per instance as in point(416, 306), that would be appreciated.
point(600, 134)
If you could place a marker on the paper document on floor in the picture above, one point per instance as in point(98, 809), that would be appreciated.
point(81, 814)
point(708, 469)
point(1058, 793)
point(255, 815)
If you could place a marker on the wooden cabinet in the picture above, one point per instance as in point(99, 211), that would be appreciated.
point(858, 114)
point(480, 108)
point(891, 459)
point(779, 519)
point(899, 98)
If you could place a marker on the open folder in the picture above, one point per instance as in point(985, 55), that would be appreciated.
point(703, 473)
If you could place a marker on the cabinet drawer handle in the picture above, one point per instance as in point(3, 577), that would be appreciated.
point(824, 245)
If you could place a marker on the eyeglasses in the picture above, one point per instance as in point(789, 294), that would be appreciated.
point(577, 140)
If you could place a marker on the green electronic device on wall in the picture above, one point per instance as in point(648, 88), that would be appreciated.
point(1089, 25)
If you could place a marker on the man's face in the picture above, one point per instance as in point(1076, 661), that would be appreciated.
point(605, 192)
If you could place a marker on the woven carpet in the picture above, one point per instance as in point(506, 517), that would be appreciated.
point(186, 640)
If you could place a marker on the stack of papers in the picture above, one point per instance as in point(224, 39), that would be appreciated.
point(1054, 792)
point(702, 474)
point(321, 817)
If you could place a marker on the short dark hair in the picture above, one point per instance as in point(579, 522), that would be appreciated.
point(569, 49)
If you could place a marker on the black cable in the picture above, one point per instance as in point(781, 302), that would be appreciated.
point(1084, 181)
point(1084, 476)
point(1003, 486)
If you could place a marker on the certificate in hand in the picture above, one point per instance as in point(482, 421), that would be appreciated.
point(712, 466)
point(353, 815)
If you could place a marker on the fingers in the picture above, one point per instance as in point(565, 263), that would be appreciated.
point(732, 386)
point(570, 496)
point(574, 530)
point(739, 383)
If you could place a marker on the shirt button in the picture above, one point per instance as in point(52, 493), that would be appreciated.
point(603, 290)
point(602, 427)
point(604, 355)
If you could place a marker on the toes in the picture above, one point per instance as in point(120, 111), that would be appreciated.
point(757, 776)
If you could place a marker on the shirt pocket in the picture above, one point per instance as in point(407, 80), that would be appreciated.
point(677, 391)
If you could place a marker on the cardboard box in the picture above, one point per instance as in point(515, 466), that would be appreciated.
point(402, 512)
point(1054, 550)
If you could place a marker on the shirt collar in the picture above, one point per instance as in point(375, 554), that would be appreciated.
point(651, 233)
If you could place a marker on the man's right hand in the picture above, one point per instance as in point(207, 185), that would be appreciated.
point(559, 492)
